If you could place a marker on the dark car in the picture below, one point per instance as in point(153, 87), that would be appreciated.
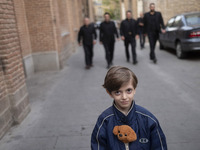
point(182, 34)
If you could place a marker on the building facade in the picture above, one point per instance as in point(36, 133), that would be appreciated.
point(35, 36)
point(170, 8)
point(129, 5)
point(98, 10)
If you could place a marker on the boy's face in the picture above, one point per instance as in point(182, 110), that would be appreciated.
point(124, 96)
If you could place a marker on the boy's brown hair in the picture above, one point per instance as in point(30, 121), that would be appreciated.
point(117, 76)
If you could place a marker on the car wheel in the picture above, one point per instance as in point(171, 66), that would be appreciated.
point(179, 53)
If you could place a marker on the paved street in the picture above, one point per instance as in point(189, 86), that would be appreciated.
point(66, 104)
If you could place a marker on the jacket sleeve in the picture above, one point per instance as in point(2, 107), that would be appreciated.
point(162, 22)
point(101, 34)
point(145, 23)
point(95, 34)
point(98, 139)
point(136, 27)
point(137, 21)
point(158, 140)
point(122, 29)
point(80, 34)
point(115, 30)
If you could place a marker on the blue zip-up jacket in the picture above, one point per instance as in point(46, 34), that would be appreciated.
point(149, 133)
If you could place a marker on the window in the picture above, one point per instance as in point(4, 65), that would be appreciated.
point(170, 22)
point(193, 19)
point(178, 21)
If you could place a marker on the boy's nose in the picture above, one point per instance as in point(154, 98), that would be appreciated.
point(124, 96)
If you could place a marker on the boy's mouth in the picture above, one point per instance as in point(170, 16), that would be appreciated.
point(125, 102)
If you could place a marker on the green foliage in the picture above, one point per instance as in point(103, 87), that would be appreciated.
point(106, 2)
point(113, 7)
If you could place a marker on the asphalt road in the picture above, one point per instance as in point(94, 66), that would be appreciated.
point(66, 104)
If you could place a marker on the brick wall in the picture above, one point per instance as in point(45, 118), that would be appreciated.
point(40, 25)
point(35, 35)
point(22, 27)
point(5, 112)
point(14, 97)
point(63, 31)
point(170, 8)
point(53, 27)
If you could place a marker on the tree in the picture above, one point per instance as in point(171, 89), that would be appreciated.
point(113, 7)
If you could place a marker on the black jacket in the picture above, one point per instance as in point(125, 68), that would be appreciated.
point(159, 22)
point(108, 31)
point(140, 28)
point(87, 34)
point(149, 133)
point(129, 28)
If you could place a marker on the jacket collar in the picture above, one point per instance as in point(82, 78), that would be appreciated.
point(86, 26)
point(129, 19)
point(107, 21)
point(155, 12)
point(125, 119)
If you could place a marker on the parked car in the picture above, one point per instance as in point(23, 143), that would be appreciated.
point(97, 24)
point(182, 34)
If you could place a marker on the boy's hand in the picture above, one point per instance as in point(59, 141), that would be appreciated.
point(94, 42)
point(123, 38)
point(137, 36)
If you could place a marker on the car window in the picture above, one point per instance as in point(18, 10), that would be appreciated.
point(193, 19)
point(178, 21)
point(170, 22)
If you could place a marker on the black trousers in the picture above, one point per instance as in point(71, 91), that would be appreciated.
point(153, 37)
point(109, 51)
point(142, 39)
point(88, 49)
point(132, 42)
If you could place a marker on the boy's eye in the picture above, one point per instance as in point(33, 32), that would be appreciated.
point(129, 91)
point(117, 93)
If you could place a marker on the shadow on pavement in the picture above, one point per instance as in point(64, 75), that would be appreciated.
point(193, 56)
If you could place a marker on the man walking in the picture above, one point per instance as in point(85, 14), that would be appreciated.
point(88, 36)
point(128, 31)
point(140, 22)
point(153, 25)
point(108, 31)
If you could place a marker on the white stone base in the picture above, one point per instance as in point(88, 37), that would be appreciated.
point(28, 65)
point(45, 61)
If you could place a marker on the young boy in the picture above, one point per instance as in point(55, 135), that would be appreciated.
point(120, 83)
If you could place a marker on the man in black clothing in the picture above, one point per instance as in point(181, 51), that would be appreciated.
point(153, 25)
point(140, 22)
point(128, 31)
point(88, 35)
point(108, 31)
